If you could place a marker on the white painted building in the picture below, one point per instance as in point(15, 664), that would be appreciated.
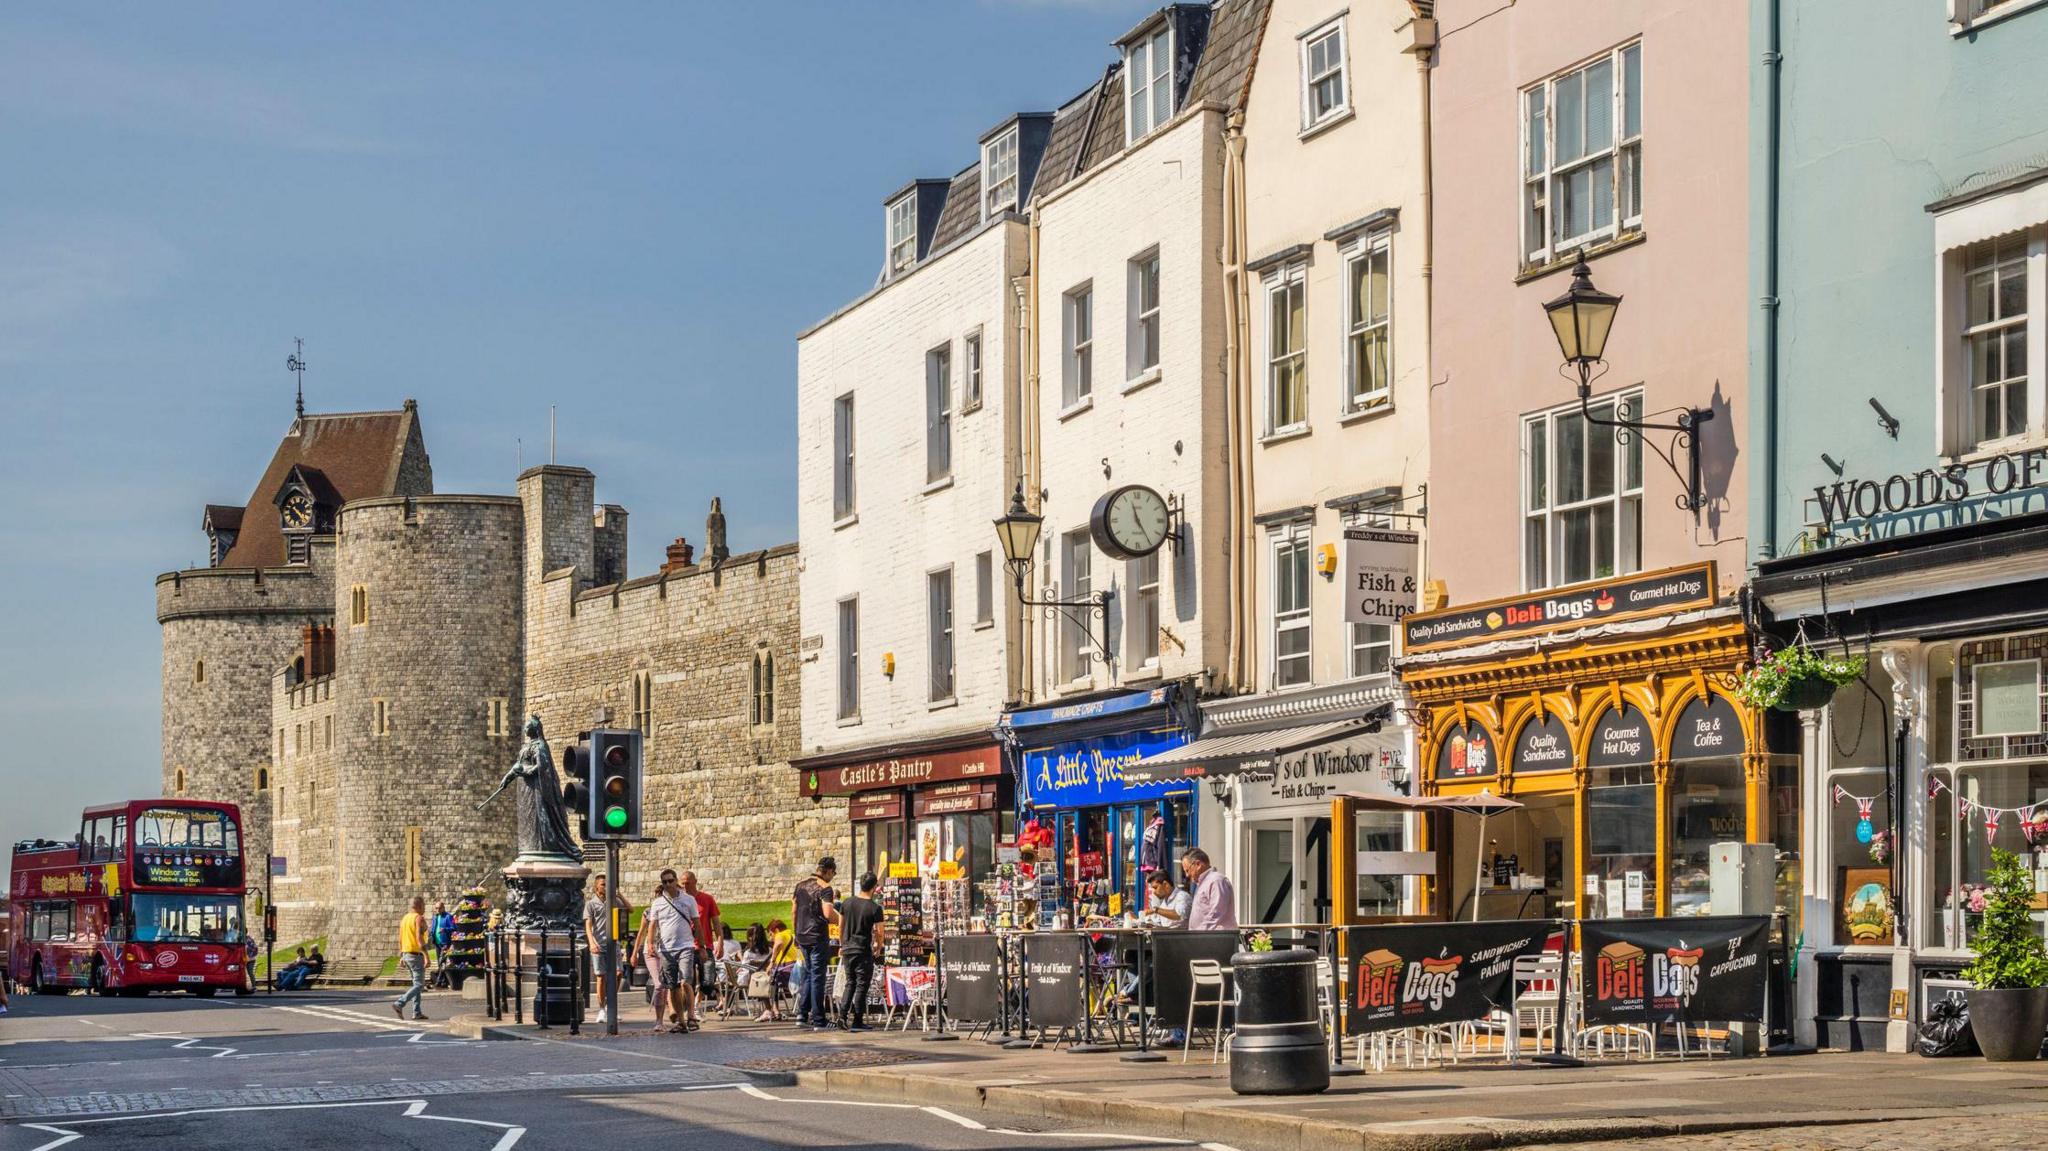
point(908, 439)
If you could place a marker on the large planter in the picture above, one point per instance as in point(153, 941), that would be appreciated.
point(2009, 1024)
point(1806, 694)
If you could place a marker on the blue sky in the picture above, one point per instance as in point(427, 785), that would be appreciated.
point(628, 211)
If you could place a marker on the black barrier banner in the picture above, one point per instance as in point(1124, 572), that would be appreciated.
point(1053, 975)
point(968, 978)
point(1657, 970)
point(1173, 984)
point(1421, 974)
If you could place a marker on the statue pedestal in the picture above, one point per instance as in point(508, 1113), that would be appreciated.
point(545, 893)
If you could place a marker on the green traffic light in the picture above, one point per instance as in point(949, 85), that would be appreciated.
point(615, 817)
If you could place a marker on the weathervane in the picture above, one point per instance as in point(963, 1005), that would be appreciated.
point(296, 364)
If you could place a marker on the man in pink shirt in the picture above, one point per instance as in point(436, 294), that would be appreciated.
point(1215, 902)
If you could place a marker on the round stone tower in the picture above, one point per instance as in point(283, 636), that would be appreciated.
point(226, 632)
point(428, 672)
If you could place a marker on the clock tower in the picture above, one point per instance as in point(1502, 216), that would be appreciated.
point(306, 504)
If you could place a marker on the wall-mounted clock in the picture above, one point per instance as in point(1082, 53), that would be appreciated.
point(298, 510)
point(1131, 522)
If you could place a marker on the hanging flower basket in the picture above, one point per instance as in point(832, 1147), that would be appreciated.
point(1797, 678)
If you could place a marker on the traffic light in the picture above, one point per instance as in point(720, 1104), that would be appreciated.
point(614, 807)
point(576, 764)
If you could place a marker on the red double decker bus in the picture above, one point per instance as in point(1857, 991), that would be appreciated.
point(147, 898)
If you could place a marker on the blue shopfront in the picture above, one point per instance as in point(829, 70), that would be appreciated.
point(1106, 830)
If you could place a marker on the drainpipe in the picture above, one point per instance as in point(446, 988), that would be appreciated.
point(1774, 66)
point(1237, 420)
point(1425, 52)
point(1026, 415)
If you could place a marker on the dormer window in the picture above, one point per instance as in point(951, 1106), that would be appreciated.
point(903, 232)
point(1148, 83)
point(999, 174)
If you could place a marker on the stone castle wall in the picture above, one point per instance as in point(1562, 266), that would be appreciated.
point(721, 798)
point(226, 631)
point(302, 804)
point(441, 644)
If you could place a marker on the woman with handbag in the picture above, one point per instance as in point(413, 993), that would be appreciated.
point(755, 981)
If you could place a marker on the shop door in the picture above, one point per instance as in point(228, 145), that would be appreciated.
point(1272, 872)
point(1315, 870)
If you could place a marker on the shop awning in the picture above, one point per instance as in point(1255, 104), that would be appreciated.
point(1481, 804)
point(1233, 752)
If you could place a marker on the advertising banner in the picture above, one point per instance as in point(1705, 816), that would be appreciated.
point(1657, 970)
point(1422, 974)
point(1379, 568)
point(968, 986)
point(1054, 970)
point(1090, 772)
point(1631, 597)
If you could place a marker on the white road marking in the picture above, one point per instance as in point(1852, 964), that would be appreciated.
point(1217, 1147)
point(337, 1015)
point(191, 1043)
point(414, 1109)
point(63, 1136)
point(942, 1113)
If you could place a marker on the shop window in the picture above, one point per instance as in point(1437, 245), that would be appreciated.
point(1286, 350)
point(849, 658)
point(1380, 894)
point(1709, 805)
point(1582, 494)
point(939, 632)
point(1859, 853)
point(1621, 841)
point(1143, 616)
point(1077, 558)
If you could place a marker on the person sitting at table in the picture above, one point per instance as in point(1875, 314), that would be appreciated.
point(1168, 907)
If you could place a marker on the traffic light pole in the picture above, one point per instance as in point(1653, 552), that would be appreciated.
point(611, 938)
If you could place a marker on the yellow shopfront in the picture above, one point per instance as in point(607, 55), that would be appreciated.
point(1617, 733)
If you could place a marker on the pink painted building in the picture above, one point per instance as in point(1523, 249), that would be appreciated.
point(1621, 129)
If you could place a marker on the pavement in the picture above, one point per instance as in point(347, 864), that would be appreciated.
point(337, 1069)
point(1825, 1100)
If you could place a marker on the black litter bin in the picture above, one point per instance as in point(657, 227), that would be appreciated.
point(1278, 1047)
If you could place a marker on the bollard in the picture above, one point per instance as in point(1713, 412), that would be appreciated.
point(1277, 1047)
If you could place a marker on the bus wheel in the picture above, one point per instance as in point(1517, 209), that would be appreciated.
point(37, 985)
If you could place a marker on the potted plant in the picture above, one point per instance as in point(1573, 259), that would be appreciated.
point(1797, 678)
point(2009, 977)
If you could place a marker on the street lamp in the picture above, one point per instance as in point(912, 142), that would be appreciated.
point(1582, 318)
point(1017, 530)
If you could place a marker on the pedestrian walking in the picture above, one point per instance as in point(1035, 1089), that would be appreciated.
point(412, 955)
point(708, 936)
point(860, 936)
point(811, 909)
point(647, 957)
point(444, 932)
point(672, 919)
point(597, 927)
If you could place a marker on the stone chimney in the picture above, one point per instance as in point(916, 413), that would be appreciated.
point(680, 555)
point(714, 533)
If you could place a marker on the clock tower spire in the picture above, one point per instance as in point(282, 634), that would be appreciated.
point(296, 365)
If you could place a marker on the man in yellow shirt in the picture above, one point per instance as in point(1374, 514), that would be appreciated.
point(412, 955)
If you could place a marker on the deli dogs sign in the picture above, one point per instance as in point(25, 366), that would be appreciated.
point(1658, 970)
point(1427, 973)
point(1673, 589)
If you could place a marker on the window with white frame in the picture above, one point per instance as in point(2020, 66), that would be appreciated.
point(938, 413)
point(903, 232)
point(999, 174)
point(1077, 324)
point(1286, 352)
point(1369, 330)
point(1325, 76)
point(1142, 617)
point(971, 353)
point(984, 588)
point(1582, 494)
point(849, 658)
point(1964, 15)
point(939, 631)
point(1582, 155)
point(1141, 342)
point(1995, 342)
point(1291, 662)
point(1371, 644)
point(842, 457)
point(1148, 83)
point(1077, 559)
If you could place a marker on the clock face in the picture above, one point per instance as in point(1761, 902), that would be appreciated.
point(1131, 522)
point(298, 510)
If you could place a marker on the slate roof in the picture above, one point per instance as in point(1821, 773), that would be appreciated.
point(222, 518)
point(1089, 129)
point(962, 213)
point(356, 453)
